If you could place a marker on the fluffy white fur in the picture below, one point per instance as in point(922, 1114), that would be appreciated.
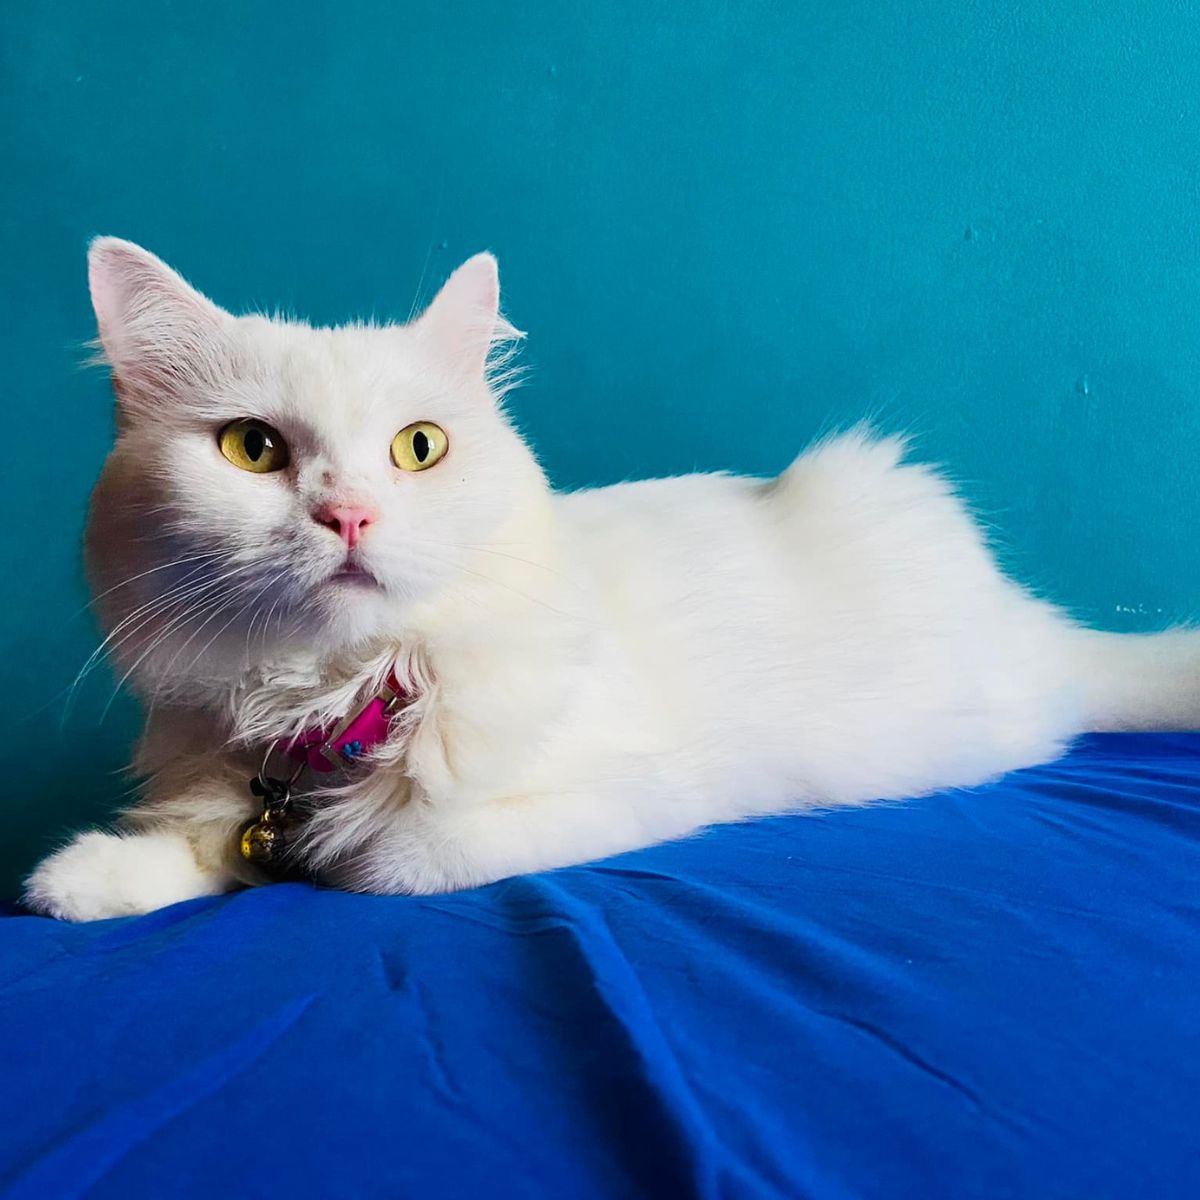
point(592, 672)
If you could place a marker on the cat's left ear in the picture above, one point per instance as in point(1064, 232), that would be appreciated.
point(464, 322)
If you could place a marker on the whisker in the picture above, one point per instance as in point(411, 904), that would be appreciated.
point(490, 550)
point(137, 619)
point(253, 600)
point(211, 605)
point(178, 562)
point(211, 595)
point(180, 589)
point(507, 587)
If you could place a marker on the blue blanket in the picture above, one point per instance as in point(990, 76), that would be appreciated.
point(991, 994)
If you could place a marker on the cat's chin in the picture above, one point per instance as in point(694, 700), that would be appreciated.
point(351, 607)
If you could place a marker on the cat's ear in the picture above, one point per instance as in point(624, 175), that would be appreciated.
point(158, 333)
point(464, 322)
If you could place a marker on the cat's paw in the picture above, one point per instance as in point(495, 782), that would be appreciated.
point(102, 875)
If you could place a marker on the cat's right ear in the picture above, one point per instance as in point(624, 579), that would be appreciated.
point(158, 334)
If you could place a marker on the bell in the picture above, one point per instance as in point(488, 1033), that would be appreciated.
point(261, 843)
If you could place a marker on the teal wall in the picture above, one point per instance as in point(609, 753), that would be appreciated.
point(727, 227)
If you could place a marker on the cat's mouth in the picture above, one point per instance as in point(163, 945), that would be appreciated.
point(353, 574)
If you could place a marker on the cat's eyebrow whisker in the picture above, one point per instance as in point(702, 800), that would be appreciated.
point(437, 216)
point(412, 309)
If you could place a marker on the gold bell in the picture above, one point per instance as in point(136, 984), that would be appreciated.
point(261, 843)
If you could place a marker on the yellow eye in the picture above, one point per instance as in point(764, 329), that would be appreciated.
point(418, 446)
point(253, 446)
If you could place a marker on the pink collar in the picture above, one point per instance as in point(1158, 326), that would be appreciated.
point(324, 748)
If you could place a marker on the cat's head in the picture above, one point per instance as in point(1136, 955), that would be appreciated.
point(272, 478)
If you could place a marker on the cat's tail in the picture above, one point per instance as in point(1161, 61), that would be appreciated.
point(1138, 680)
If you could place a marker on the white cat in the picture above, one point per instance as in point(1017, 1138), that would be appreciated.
point(289, 514)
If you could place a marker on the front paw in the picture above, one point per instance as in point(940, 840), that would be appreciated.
point(102, 875)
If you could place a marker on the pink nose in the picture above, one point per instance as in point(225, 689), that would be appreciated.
point(348, 523)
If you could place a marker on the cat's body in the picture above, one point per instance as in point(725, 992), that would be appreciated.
point(586, 673)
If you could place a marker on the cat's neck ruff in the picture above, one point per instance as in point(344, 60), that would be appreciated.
point(324, 748)
point(286, 703)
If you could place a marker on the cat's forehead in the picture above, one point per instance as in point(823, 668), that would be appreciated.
point(350, 373)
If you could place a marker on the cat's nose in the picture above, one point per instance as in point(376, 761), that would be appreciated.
point(347, 521)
